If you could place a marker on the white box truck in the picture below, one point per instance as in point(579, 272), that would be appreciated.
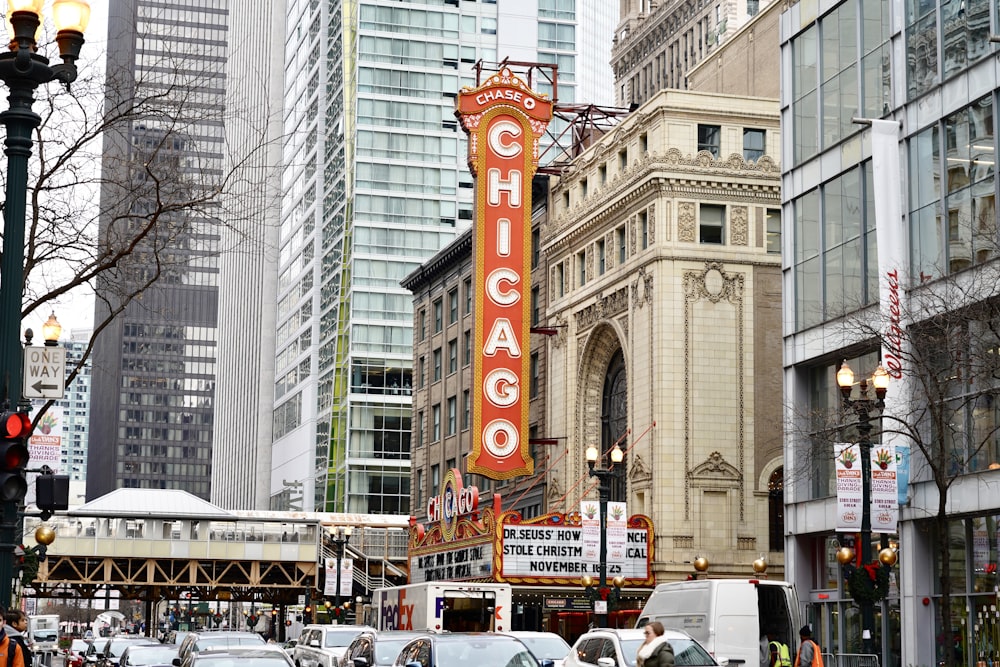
point(727, 615)
point(442, 606)
point(43, 636)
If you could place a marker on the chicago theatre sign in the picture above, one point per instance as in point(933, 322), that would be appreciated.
point(504, 120)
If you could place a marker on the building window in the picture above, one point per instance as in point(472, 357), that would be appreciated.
point(620, 238)
point(601, 257)
point(643, 229)
point(774, 231)
point(468, 296)
point(453, 306)
point(753, 144)
point(602, 174)
point(533, 371)
point(467, 345)
point(710, 224)
point(438, 318)
point(643, 143)
point(535, 314)
point(622, 159)
point(452, 415)
point(437, 365)
point(436, 422)
point(565, 199)
point(466, 409)
point(421, 370)
point(420, 488)
point(581, 263)
point(536, 248)
point(709, 139)
point(753, 7)
point(560, 287)
point(420, 428)
point(423, 324)
point(452, 356)
point(583, 189)
point(435, 478)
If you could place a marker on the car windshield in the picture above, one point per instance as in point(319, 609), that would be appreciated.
point(387, 650)
point(478, 652)
point(686, 652)
point(45, 635)
point(230, 660)
point(152, 655)
point(116, 647)
point(339, 638)
point(228, 640)
point(546, 647)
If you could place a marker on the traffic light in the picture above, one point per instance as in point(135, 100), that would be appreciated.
point(15, 427)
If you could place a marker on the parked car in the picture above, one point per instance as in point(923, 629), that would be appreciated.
point(143, 655)
point(617, 648)
point(175, 637)
point(113, 647)
point(544, 645)
point(467, 649)
point(289, 646)
point(265, 655)
point(196, 642)
point(74, 654)
point(377, 649)
point(324, 645)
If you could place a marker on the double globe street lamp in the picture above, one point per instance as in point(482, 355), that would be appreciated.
point(23, 69)
point(604, 477)
point(867, 410)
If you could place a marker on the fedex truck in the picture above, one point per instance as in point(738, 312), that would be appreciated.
point(727, 615)
point(440, 606)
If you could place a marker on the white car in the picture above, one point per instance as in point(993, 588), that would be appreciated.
point(609, 647)
point(324, 645)
point(544, 645)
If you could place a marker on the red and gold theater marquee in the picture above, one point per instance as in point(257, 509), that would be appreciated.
point(463, 541)
point(504, 120)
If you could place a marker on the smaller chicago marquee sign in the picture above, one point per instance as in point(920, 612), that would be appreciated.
point(487, 544)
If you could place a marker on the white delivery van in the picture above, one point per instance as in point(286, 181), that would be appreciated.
point(727, 615)
point(440, 606)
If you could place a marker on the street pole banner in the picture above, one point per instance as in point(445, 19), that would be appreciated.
point(330, 585)
point(847, 457)
point(884, 496)
point(590, 533)
point(504, 119)
point(893, 280)
point(617, 532)
point(346, 577)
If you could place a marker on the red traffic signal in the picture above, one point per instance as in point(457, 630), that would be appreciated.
point(16, 425)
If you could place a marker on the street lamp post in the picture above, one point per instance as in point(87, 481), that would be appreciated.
point(604, 477)
point(339, 538)
point(23, 70)
point(866, 409)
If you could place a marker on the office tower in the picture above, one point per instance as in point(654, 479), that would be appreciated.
point(928, 68)
point(241, 462)
point(375, 183)
point(154, 366)
point(76, 409)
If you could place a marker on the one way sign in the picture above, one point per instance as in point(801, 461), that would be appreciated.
point(44, 372)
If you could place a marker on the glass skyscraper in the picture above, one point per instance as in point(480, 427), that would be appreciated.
point(374, 182)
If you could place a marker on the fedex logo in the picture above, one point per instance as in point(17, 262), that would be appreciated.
point(398, 615)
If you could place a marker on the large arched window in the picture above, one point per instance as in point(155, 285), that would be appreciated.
point(776, 510)
point(614, 419)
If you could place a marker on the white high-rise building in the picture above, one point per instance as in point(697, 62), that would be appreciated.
point(375, 182)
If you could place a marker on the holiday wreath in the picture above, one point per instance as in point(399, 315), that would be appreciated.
point(869, 583)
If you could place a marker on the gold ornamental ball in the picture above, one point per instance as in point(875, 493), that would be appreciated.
point(587, 581)
point(701, 564)
point(887, 557)
point(45, 535)
point(845, 555)
point(760, 566)
point(618, 581)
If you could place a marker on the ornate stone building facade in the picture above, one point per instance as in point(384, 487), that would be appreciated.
point(663, 249)
point(658, 41)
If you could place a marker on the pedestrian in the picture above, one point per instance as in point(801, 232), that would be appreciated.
point(11, 654)
point(15, 627)
point(655, 651)
point(809, 654)
point(779, 654)
point(765, 652)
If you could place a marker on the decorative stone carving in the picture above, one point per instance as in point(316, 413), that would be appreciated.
point(683, 541)
point(623, 323)
point(738, 220)
point(553, 490)
point(560, 326)
point(686, 222)
point(716, 469)
point(634, 228)
point(713, 284)
point(642, 288)
point(638, 471)
point(606, 306)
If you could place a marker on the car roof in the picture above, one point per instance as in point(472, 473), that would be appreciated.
point(634, 633)
point(465, 636)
